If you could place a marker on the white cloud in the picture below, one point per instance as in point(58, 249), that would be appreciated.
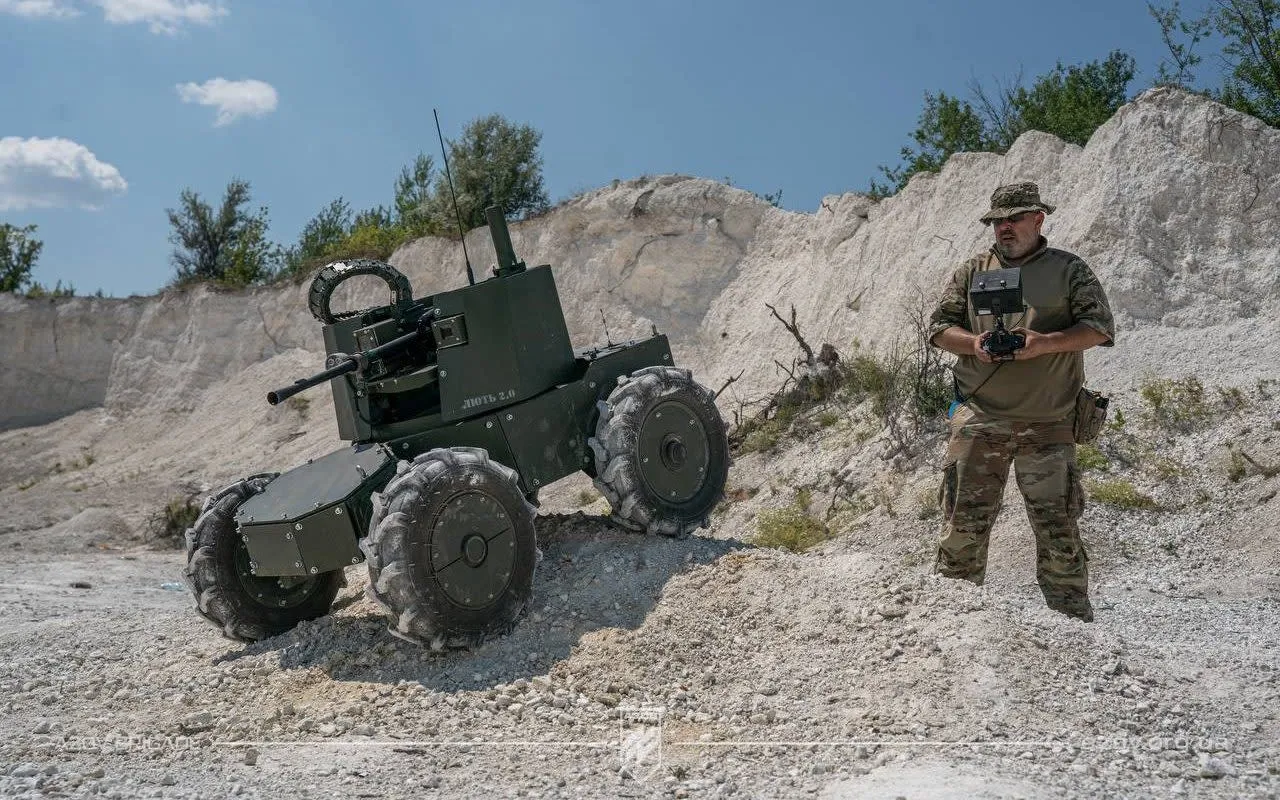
point(38, 8)
point(233, 99)
point(161, 16)
point(54, 173)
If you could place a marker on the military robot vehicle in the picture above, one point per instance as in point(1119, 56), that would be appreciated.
point(459, 407)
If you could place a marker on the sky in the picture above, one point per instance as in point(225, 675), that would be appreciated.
point(109, 109)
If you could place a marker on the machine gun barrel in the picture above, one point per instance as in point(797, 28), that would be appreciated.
point(348, 364)
point(501, 239)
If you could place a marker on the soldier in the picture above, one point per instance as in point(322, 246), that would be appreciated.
point(1020, 408)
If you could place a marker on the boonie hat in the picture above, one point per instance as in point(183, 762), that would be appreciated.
point(1014, 198)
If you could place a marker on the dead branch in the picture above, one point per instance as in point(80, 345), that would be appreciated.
point(726, 384)
point(794, 330)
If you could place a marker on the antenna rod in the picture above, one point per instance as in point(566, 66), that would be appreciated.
point(471, 278)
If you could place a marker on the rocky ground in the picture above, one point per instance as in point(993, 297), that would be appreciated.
point(707, 666)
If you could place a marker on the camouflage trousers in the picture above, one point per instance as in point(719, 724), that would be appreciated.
point(975, 471)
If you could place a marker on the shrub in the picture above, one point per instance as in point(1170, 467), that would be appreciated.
point(907, 386)
point(1119, 493)
point(1231, 398)
point(1167, 468)
point(168, 526)
point(228, 245)
point(1241, 462)
point(790, 528)
point(1088, 456)
point(1176, 403)
point(19, 251)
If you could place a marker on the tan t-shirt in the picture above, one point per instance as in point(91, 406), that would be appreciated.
point(1060, 291)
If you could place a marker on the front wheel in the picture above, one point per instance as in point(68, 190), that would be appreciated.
point(245, 606)
point(661, 452)
point(451, 549)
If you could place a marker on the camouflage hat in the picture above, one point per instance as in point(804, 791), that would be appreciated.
point(1014, 198)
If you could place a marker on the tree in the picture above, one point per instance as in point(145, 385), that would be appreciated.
point(252, 258)
point(414, 196)
point(495, 162)
point(18, 253)
point(1250, 30)
point(1073, 102)
point(1068, 102)
point(228, 246)
point(373, 234)
point(322, 232)
point(946, 126)
point(1183, 54)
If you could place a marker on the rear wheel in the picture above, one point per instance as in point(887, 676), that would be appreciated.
point(451, 549)
point(245, 606)
point(661, 452)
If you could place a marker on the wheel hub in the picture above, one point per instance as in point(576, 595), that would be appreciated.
point(473, 549)
point(673, 452)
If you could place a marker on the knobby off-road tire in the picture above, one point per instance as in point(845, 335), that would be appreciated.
point(246, 607)
point(661, 452)
point(452, 549)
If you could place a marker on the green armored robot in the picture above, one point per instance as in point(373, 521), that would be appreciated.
point(459, 407)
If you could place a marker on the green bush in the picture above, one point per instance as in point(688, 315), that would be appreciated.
point(1167, 468)
point(907, 386)
point(38, 290)
point(19, 251)
point(1090, 457)
point(1231, 398)
point(1069, 102)
point(790, 528)
point(370, 240)
point(169, 525)
point(1177, 403)
point(1119, 493)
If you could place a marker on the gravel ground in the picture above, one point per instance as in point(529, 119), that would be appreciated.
point(704, 667)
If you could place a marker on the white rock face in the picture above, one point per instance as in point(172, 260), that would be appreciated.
point(56, 354)
point(1173, 203)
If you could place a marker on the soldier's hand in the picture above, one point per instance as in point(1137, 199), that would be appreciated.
point(1035, 346)
point(982, 355)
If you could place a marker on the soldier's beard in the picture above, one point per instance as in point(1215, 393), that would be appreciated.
point(1017, 248)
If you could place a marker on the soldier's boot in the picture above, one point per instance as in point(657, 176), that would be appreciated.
point(1073, 604)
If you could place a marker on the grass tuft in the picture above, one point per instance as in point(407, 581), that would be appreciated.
point(790, 528)
point(169, 525)
point(1090, 457)
point(1119, 493)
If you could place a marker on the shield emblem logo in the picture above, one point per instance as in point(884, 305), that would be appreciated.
point(640, 742)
